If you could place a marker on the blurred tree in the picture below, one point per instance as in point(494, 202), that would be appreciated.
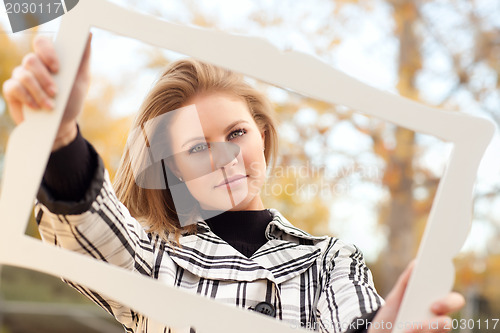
point(398, 212)
point(419, 24)
point(298, 187)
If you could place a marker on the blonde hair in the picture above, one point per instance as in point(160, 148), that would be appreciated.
point(181, 81)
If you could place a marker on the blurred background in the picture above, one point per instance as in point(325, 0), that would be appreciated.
point(339, 172)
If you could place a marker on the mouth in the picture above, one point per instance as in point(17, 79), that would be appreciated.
point(232, 180)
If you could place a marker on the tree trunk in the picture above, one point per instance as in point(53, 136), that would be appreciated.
point(398, 214)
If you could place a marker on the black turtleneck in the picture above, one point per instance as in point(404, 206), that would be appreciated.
point(244, 230)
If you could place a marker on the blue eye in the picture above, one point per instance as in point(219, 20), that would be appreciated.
point(238, 132)
point(199, 147)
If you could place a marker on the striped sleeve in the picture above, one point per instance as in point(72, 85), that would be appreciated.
point(105, 230)
point(348, 290)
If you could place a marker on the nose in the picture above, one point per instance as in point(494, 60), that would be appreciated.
point(224, 153)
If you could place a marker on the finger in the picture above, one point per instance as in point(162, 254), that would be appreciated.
point(29, 82)
point(14, 106)
point(451, 303)
point(34, 65)
point(16, 95)
point(44, 48)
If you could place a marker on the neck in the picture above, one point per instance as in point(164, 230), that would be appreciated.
point(244, 230)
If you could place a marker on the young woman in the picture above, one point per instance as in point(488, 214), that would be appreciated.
point(186, 208)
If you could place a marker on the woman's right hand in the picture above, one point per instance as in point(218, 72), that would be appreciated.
point(32, 84)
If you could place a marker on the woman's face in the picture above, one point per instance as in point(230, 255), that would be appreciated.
point(218, 152)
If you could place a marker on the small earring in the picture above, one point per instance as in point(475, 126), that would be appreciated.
point(263, 149)
point(180, 178)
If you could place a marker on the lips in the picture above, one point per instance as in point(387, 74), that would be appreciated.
point(231, 179)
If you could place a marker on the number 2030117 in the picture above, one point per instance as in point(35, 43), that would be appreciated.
point(33, 8)
point(473, 324)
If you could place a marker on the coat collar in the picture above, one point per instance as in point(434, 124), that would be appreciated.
point(288, 252)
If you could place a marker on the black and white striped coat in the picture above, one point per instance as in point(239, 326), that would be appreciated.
point(319, 283)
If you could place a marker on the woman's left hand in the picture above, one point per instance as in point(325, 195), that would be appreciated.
point(441, 322)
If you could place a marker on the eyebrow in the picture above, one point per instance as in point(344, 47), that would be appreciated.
point(234, 123)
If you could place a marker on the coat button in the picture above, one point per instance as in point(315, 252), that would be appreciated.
point(266, 308)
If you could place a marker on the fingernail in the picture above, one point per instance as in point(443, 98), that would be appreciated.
point(54, 67)
point(437, 308)
point(49, 103)
point(32, 104)
point(52, 90)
